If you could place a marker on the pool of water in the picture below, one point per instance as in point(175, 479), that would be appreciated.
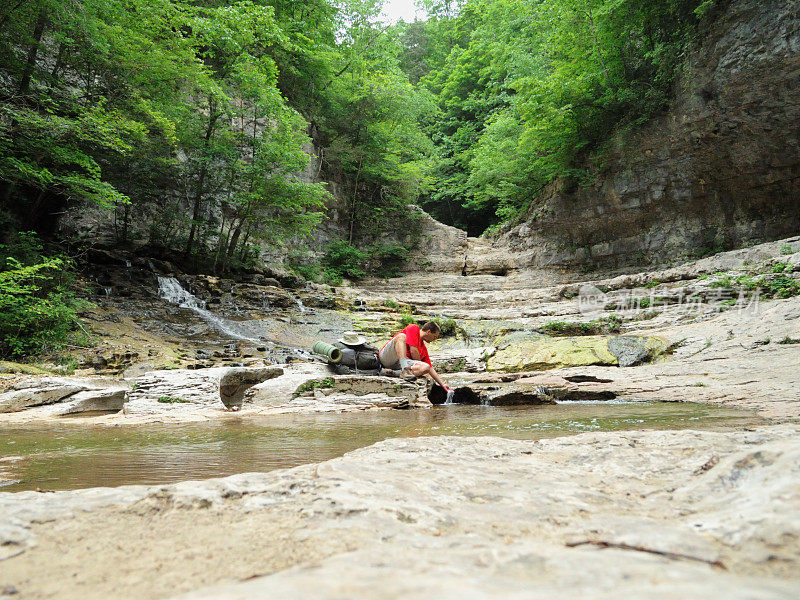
point(59, 457)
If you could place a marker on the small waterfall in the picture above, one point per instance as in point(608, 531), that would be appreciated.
point(107, 291)
point(171, 290)
point(299, 303)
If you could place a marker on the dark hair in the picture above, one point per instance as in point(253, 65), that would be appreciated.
point(432, 326)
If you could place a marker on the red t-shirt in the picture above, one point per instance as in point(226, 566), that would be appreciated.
point(414, 338)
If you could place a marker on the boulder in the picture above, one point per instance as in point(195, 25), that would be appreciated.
point(105, 400)
point(175, 389)
point(629, 350)
point(459, 360)
point(72, 395)
point(17, 400)
point(236, 381)
point(517, 395)
point(280, 391)
point(366, 391)
point(552, 353)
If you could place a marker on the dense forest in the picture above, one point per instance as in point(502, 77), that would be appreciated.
point(193, 123)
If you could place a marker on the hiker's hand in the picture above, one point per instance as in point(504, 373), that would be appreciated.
point(447, 388)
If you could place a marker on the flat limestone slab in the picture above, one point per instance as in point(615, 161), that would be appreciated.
point(656, 514)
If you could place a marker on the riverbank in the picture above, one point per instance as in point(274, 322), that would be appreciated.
point(661, 514)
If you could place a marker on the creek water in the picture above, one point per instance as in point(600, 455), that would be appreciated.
point(59, 457)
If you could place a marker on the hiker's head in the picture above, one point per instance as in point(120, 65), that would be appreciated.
point(430, 331)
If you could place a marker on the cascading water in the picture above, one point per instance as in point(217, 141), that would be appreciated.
point(171, 290)
point(299, 303)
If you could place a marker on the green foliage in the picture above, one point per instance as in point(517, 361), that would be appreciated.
point(308, 272)
point(313, 384)
point(449, 327)
point(782, 286)
point(391, 304)
point(652, 284)
point(530, 91)
point(390, 260)
point(780, 267)
point(726, 281)
point(788, 340)
point(38, 310)
point(775, 281)
point(172, 400)
point(343, 259)
point(610, 324)
point(787, 249)
point(406, 319)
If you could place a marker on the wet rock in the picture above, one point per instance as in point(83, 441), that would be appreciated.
point(586, 379)
point(517, 395)
point(552, 353)
point(236, 381)
point(629, 350)
point(461, 395)
point(263, 296)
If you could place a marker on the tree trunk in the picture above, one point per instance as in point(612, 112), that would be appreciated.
point(237, 232)
point(243, 250)
point(201, 178)
point(597, 49)
point(355, 199)
point(30, 64)
point(59, 61)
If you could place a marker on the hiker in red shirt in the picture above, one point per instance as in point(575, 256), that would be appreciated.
point(406, 351)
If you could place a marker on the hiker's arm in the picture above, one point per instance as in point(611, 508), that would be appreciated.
point(435, 376)
point(400, 345)
point(414, 351)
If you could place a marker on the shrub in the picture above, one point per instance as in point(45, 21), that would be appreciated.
point(343, 259)
point(781, 286)
point(407, 319)
point(787, 249)
point(390, 259)
point(313, 384)
point(391, 304)
point(172, 400)
point(610, 324)
point(449, 327)
point(38, 310)
point(307, 272)
point(780, 267)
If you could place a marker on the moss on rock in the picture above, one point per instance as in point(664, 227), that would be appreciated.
point(552, 353)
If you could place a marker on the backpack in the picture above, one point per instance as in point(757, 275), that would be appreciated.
point(361, 359)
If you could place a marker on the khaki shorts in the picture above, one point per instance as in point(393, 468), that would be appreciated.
point(390, 360)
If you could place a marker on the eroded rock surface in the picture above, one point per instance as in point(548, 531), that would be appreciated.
point(63, 395)
point(655, 514)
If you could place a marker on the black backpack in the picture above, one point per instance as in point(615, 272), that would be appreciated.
point(361, 359)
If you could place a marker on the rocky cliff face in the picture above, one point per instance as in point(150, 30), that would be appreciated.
point(721, 170)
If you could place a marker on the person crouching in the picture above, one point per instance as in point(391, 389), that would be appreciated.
point(406, 352)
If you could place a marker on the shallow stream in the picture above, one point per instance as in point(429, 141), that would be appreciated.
point(55, 457)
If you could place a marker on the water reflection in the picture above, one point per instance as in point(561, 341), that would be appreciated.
point(77, 456)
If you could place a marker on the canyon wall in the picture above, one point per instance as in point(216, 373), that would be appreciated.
point(721, 170)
